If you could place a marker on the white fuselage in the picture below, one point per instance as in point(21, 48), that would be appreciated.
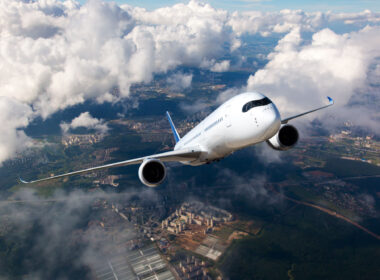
point(229, 128)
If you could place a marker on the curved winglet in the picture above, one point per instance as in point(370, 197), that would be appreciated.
point(331, 102)
point(23, 181)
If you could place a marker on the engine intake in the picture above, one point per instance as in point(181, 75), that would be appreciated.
point(284, 139)
point(152, 172)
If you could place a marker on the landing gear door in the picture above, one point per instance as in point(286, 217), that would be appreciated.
point(227, 116)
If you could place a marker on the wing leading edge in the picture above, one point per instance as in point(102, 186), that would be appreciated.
point(331, 102)
point(177, 155)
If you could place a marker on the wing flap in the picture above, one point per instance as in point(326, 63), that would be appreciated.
point(176, 155)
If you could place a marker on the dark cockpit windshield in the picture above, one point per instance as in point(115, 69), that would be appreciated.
point(255, 103)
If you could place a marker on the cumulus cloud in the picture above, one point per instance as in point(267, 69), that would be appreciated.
point(222, 66)
point(180, 80)
point(55, 54)
point(299, 75)
point(13, 116)
point(85, 120)
point(193, 34)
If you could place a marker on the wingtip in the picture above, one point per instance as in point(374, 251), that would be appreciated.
point(330, 100)
point(23, 181)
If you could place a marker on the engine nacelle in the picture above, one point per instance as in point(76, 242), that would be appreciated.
point(152, 172)
point(284, 139)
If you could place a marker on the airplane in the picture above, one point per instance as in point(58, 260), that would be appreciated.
point(244, 120)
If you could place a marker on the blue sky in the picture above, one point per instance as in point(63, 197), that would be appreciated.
point(268, 5)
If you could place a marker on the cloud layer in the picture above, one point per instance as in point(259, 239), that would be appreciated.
point(300, 76)
point(56, 54)
point(60, 238)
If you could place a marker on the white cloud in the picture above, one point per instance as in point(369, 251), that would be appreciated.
point(13, 116)
point(365, 17)
point(267, 155)
point(222, 66)
point(55, 54)
point(299, 76)
point(227, 94)
point(87, 121)
point(265, 23)
point(180, 80)
point(193, 34)
point(198, 106)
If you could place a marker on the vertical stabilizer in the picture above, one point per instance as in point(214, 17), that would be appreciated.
point(175, 133)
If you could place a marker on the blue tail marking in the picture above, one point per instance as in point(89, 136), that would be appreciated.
point(331, 101)
point(175, 133)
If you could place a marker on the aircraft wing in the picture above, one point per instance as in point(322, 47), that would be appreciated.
point(331, 102)
point(176, 155)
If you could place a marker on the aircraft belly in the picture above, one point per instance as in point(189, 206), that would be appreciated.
point(216, 148)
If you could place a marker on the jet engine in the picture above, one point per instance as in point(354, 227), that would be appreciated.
point(152, 172)
point(284, 139)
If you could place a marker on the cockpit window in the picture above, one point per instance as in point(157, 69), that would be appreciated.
point(255, 103)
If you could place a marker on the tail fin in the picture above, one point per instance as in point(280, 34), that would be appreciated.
point(175, 133)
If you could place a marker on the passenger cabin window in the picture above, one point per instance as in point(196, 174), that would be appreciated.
point(255, 103)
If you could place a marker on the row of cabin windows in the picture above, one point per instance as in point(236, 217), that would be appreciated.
point(214, 123)
point(207, 128)
point(255, 103)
